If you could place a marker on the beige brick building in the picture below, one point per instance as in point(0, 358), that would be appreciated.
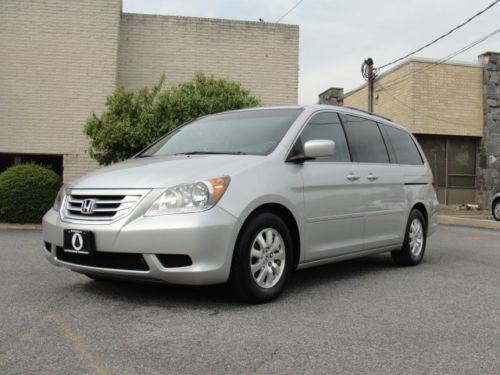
point(444, 99)
point(60, 59)
point(445, 106)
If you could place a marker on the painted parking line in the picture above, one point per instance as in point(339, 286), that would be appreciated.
point(71, 337)
point(476, 238)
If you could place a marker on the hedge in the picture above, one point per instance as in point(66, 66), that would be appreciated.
point(27, 191)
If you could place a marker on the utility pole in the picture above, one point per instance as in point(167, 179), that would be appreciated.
point(369, 76)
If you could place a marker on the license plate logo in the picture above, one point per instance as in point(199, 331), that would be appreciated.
point(77, 241)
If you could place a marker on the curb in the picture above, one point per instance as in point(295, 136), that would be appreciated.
point(466, 222)
point(21, 226)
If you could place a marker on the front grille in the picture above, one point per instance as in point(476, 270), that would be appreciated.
point(122, 261)
point(100, 205)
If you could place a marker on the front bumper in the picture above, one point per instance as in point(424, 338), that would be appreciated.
point(207, 237)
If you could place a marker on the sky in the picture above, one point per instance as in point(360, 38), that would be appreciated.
point(337, 36)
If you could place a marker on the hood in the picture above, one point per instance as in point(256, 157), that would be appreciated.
point(165, 171)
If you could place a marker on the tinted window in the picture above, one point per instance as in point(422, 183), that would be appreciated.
point(365, 140)
point(403, 146)
point(248, 132)
point(326, 125)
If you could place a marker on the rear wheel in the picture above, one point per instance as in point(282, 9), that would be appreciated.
point(495, 209)
point(412, 252)
point(262, 259)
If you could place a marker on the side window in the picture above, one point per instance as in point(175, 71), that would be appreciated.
point(365, 139)
point(404, 147)
point(326, 125)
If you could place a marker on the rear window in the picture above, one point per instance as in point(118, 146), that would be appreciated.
point(404, 147)
point(365, 140)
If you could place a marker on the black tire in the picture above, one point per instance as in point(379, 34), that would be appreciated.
point(405, 256)
point(241, 280)
point(495, 209)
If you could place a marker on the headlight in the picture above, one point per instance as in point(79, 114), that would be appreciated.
point(195, 197)
point(59, 198)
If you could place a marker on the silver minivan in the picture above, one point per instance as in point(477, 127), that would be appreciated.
point(246, 197)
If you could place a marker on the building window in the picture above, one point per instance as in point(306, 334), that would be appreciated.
point(453, 163)
point(54, 162)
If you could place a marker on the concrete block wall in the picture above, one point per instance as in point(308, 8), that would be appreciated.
point(448, 99)
point(58, 63)
point(262, 56)
point(443, 99)
point(60, 59)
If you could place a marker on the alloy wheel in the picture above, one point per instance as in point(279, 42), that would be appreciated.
point(416, 237)
point(267, 258)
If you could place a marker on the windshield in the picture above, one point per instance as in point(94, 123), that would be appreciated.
point(255, 132)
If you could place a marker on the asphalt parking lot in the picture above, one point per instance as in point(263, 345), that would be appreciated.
point(361, 316)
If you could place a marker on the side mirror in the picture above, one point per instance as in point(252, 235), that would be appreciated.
point(315, 148)
point(318, 148)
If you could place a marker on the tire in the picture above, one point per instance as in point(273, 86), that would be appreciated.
point(412, 252)
point(264, 246)
point(495, 209)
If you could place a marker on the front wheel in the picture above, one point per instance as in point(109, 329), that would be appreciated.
point(262, 259)
point(412, 252)
point(495, 209)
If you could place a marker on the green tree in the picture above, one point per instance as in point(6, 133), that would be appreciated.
point(134, 120)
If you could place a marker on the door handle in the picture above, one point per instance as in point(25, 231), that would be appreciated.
point(352, 177)
point(372, 177)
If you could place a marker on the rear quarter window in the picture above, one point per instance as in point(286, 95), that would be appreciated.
point(404, 147)
point(365, 140)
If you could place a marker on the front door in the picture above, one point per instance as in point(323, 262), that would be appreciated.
point(333, 193)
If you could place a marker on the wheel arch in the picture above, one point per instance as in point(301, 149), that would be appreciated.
point(287, 216)
point(494, 201)
point(419, 206)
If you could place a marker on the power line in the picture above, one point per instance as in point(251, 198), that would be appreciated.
point(292, 8)
point(441, 37)
point(441, 61)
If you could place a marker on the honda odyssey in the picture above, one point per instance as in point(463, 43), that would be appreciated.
point(246, 197)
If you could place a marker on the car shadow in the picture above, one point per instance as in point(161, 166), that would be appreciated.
point(341, 271)
point(219, 296)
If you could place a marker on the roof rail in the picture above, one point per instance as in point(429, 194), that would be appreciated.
point(368, 113)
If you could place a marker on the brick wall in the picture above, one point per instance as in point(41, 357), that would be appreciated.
point(262, 56)
point(448, 99)
point(59, 60)
point(57, 64)
point(444, 99)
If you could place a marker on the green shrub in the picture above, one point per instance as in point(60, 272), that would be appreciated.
point(27, 191)
point(134, 120)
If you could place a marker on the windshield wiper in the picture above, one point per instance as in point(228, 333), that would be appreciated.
point(144, 156)
point(211, 153)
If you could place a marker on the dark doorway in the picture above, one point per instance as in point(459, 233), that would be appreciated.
point(54, 162)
